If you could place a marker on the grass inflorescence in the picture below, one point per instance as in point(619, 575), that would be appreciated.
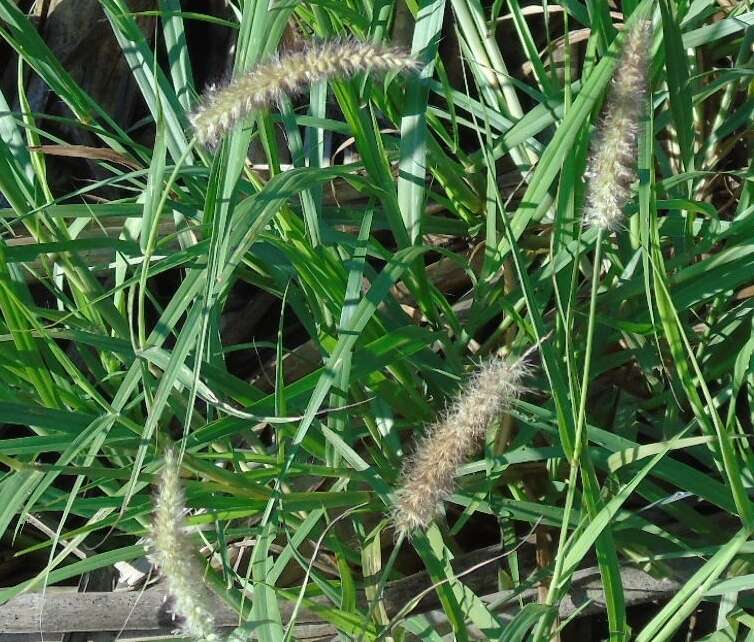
point(428, 476)
point(173, 550)
point(224, 106)
point(612, 164)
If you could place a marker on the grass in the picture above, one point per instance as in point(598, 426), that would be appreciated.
point(449, 231)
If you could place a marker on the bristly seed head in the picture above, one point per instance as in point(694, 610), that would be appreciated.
point(172, 550)
point(222, 108)
point(428, 477)
point(611, 172)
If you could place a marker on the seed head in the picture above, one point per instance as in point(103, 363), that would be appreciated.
point(222, 108)
point(611, 171)
point(171, 548)
point(428, 477)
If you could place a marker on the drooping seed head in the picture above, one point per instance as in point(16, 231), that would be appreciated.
point(428, 477)
point(222, 108)
point(611, 171)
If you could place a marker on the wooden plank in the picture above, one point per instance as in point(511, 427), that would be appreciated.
point(146, 614)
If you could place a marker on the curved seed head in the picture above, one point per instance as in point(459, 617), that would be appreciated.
point(222, 108)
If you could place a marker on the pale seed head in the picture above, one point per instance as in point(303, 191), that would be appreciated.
point(611, 171)
point(172, 550)
point(428, 476)
point(223, 108)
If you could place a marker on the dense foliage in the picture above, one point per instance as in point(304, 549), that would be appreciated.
point(289, 309)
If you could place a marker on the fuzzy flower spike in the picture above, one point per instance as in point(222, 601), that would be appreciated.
point(171, 548)
point(429, 476)
point(224, 107)
point(611, 170)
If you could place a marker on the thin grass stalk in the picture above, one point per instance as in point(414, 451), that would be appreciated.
point(607, 557)
point(611, 173)
point(606, 553)
point(554, 593)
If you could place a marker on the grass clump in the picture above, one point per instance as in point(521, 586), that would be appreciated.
point(290, 307)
